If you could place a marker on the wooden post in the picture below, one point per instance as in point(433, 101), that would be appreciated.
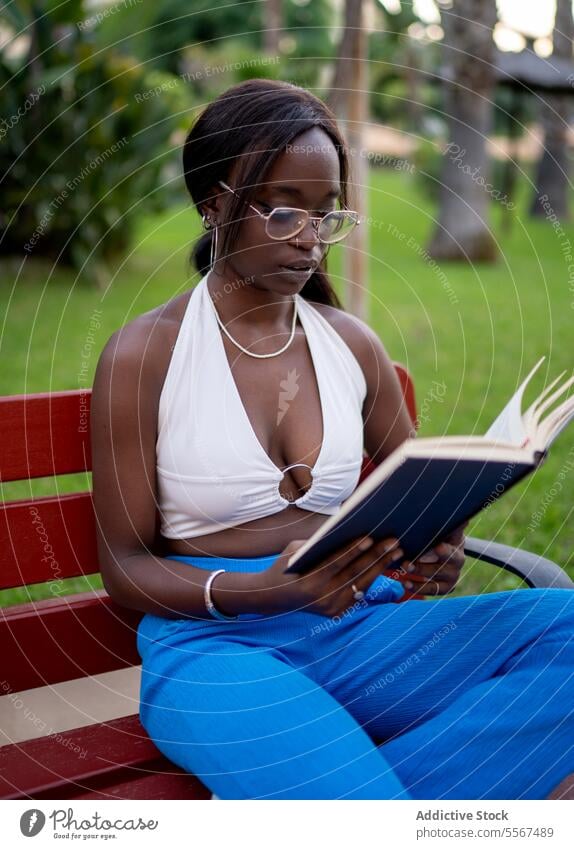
point(349, 100)
point(356, 263)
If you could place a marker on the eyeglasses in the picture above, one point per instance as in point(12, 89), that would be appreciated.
point(285, 222)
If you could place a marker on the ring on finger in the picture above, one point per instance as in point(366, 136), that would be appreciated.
point(358, 594)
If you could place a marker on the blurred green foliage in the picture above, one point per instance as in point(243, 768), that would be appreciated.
point(392, 51)
point(162, 31)
point(82, 150)
point(95, 101)
point(182, 39)
point(96, 104)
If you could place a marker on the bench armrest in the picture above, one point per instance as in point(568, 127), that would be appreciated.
point(535, 570)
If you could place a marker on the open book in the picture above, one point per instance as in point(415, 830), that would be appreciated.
point(429, 486)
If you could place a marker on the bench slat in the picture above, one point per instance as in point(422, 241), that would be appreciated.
point(47, 539)
point(47, 642)
point(167, 782)
point(45, 434)
point(90, 762)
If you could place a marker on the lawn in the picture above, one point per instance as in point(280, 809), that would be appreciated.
point(468, 335)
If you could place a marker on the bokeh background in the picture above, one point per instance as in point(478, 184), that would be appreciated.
point(458, 114)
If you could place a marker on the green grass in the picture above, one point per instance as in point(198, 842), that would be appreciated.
point(475, 330)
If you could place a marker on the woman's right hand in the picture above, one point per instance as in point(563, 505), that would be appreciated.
point(327, 588)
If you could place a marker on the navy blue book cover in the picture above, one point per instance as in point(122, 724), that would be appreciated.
point(419, 503)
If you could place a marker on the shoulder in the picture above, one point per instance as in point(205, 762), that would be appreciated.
point(143, 346)
point(132, 367)
point(363, 341)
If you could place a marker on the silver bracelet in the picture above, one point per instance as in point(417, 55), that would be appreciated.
point(209, 601)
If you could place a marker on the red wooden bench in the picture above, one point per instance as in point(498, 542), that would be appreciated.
point(71, 637)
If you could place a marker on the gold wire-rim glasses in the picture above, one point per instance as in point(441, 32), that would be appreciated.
point(349, 215)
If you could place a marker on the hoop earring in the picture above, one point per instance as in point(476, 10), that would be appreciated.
point(214, 245)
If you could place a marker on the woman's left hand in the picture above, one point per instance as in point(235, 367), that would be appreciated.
point(436, 572)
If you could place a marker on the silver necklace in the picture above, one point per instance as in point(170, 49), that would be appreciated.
point(250, 353)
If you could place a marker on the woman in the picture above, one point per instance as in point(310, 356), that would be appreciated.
point(227, 423)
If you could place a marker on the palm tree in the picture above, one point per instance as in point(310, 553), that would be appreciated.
point(462, 230)
point(552, 174)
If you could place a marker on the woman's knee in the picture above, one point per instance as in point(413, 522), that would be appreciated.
point(548, 607)
point(554, 608)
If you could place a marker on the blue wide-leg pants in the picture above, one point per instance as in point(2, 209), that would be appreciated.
point(449, 698)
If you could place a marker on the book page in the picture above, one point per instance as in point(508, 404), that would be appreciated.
point(554, 423)
point(541, 408)
point(528, 417)
point(509, 426)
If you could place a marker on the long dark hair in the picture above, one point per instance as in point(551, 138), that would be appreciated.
point(249, 125)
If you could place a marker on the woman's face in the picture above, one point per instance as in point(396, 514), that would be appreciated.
point(305, 176)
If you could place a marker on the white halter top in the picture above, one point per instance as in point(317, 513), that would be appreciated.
point(212, 471)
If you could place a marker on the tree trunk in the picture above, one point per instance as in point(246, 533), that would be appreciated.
point(412, 80)
point(462, 231)
point(552, 183)
point(340, 93)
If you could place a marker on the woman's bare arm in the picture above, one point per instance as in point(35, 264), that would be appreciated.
point(387, 422)
point(125, 401)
